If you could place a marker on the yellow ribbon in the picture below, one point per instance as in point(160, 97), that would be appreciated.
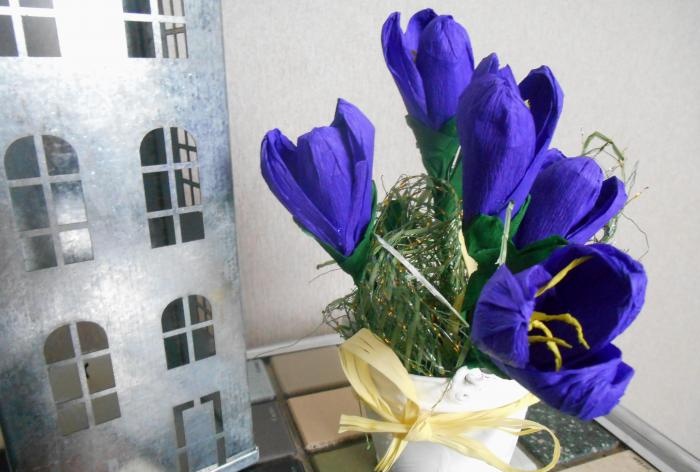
point(404, 418)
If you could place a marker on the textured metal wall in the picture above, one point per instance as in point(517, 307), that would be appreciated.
point(103, 103)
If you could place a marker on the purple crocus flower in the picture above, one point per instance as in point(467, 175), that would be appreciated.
point(570, 198)
point(550, 327)
point(432, 63)
point(325, 181)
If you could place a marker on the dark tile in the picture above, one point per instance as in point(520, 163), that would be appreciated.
point(259, 384)
point(285, 465)
point(580, 440)
point(359, 457)
point(271, 432)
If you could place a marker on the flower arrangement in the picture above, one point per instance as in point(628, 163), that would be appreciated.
point(498, 257)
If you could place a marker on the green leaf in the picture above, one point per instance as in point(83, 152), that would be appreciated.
point(438, 150)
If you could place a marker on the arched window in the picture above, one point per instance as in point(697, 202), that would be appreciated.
point(188, 331)
point(169, 160)
point(152, 32)
point(28, 28)
point(47, 198)
point(81, 376)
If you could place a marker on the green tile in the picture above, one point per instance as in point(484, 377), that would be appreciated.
point(580, 440)
point(355, 458)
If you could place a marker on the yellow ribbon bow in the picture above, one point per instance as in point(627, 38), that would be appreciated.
point(405, 420)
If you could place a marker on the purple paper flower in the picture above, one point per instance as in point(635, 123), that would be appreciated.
point(326, 180)
point(504, 141)
point(550, 326)
point(570, 198)
point(431, 63)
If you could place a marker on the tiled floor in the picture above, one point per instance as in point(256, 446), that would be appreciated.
point(298, 399)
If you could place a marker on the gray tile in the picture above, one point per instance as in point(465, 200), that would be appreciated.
point(580, 440)
point(259, 384)
point(271, 432)
point(626, 461)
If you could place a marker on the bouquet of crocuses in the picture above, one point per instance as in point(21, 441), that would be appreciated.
point(497, 257)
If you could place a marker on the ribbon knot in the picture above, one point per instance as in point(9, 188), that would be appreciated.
point(421, 429)
point(365, 353)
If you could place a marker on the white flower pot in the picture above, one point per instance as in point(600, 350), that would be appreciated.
point(471, 390)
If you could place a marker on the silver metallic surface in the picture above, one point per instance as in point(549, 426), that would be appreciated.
point(103, 103)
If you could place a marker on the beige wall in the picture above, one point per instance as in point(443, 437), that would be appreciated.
point(629, 68)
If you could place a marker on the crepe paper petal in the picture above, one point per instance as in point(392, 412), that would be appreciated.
point(399, 60)
point(587, 390)
point(551, 156)
point(501, 319)
point(432, 63)
point(325, 181)
point(611, 201)
point(562, 195)
point(445, 63)
point(604, 293)
point(497, 136)
point(542, 91)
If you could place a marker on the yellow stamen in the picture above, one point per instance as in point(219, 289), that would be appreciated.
point(546, 339)
point(567, 318)
point(551, 345)
point(563, 273)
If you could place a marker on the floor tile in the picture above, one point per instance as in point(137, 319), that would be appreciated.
point(285, 465)
point(309, 371)
point(580, 440)
point(259, 384)
point(317, 417)
point(358, 457)
point(626, 461)
point(271, 432)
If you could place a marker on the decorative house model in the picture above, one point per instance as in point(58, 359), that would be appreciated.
point(121, 341)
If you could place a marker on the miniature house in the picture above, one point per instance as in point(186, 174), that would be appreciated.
point(121, 340)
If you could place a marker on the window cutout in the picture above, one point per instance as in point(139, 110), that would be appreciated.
point(41, 36)
point(76, 246)
point(59, 346)
point(171, 7)
point(72, 418)
point(92, 337)
point(195, 424)
point(139, 39)
point(176, 351)
point(188, 188)
point(173, 316)
point(78, 378)
point(65, 382)
point(200, 309)
point(61, 158)
point(157, 190)
point(99, 373)
point(192, 226)
point(68, 202)
point(30, 207)
point(179, 158)
point(162, 231)
point(193, 343)
point(8, 46)
point(153, 149)
point(174, 39)
point(48, 201)
point(4, 3)
point(20, 159)
point(203, 341)
point(36, 3)
point(136, 6)
point(38, 252)
point(106, 408)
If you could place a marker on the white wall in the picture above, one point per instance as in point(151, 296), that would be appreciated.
point(629, 68)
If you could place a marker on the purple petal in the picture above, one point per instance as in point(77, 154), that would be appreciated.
point(610, 202)
point(400, 62)
point(415, 28)
point(446, 64)
point(588, 389)
point(502, 314)
point(276, 152)
point(497, 135)
point(562, 194)
point(546, 98)
point(488, 65)
point(551, 156)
